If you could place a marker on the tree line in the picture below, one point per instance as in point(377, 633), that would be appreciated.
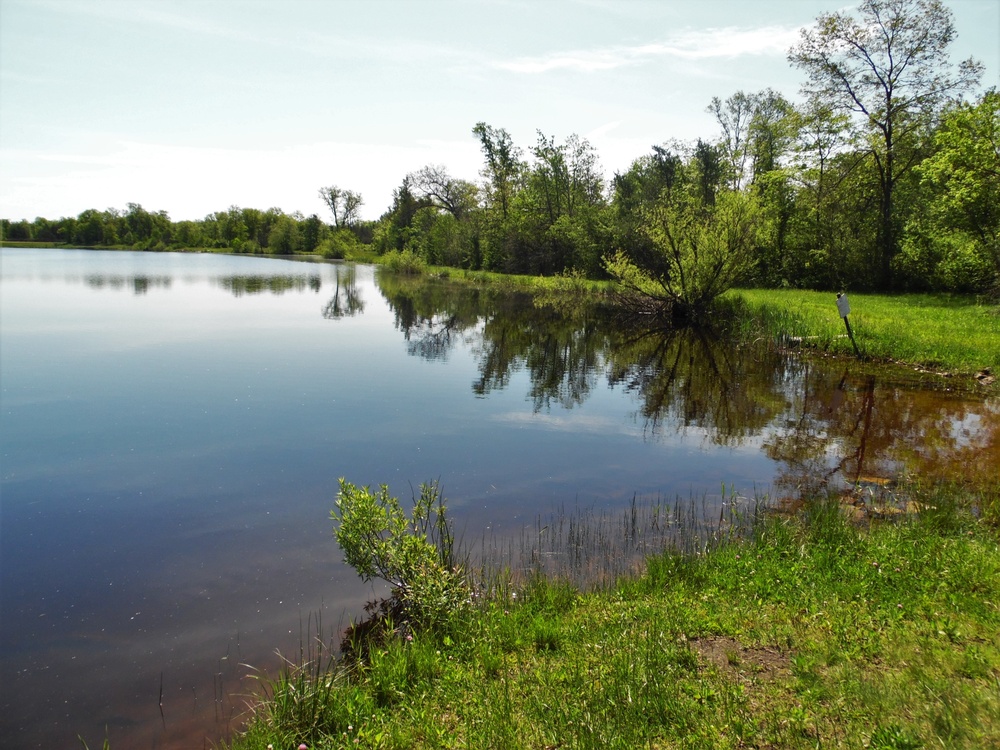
point(242, 230)
point(884, 177)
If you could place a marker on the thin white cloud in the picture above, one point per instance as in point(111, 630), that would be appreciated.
point(583, 62)
point(148, 13)
point(730, 42)
point(722, 43)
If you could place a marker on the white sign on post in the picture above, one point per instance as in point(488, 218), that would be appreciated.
point(842, 305)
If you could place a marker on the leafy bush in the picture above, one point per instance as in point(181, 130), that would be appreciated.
point(405, 261)
point(956, 261)
point(699, 253)
point(414, 554)
point(246, 246)
point(341, 244)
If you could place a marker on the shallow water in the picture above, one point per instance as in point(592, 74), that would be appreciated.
point(172, 428)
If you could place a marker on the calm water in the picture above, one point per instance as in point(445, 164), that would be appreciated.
point(173, 427)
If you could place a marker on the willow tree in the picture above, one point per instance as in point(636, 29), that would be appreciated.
point(702, 251)
point(889, 68)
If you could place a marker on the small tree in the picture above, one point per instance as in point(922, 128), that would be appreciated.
point(964, 178)
point(283, 239)
point(699, 254)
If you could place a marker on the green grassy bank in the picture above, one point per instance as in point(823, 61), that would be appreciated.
point(811, 631)
point(943, 332)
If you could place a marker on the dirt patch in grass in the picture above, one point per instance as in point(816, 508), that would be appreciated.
point(733, 658)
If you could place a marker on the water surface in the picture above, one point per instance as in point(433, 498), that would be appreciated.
point(174, 425)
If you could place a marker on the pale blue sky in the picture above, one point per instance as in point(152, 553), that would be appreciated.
point(190, 106)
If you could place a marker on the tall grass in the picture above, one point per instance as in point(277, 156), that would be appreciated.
point(592, 548)
point(403, 261)
point(571, 283)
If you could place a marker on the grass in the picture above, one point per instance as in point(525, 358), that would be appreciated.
point(941, 332)
point(802, 631)
point(560, 283)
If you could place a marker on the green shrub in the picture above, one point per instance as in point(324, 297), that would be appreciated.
point(698, 254)
point(414, 554)
point(341, 244)
point(405, 261)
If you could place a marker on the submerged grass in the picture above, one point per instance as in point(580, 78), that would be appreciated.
point(957, 333)
point(804, 630)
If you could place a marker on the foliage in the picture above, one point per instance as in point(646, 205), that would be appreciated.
point(405, 262)
point(701, 253)
point(888, 69)
point(963, 221)
point(284, 238)
point(414, 554)
point(340, 244)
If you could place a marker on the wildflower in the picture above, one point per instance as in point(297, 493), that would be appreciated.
point(303, 746)
point(409, 636)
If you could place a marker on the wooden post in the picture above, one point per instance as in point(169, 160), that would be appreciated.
point(844, 307)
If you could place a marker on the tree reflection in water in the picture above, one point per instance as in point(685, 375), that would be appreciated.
point(860, 429)
point(346, 301)
point(825, 424)
point(274, 284)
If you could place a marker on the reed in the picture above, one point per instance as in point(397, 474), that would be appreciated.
point(593, 548)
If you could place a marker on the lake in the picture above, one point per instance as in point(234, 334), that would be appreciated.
point(173, 427)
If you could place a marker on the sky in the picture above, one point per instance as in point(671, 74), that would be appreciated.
point(192, 106)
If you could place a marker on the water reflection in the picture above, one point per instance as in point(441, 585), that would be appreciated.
point(237, 285)
point(865, 430)
point(689, 378)
point(433, 317)
point(279, 284)
point(347, 300)
point(139, 284)
point(825, 426)
point(562, 353)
